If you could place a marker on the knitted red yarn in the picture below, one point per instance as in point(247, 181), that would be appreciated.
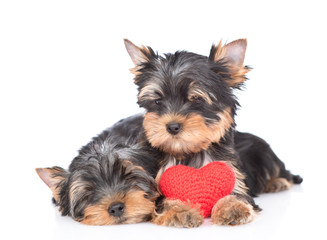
point(202, 187)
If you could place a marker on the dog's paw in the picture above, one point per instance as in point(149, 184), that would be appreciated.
point(178, 214)
point(277, 185)
point(231, 210)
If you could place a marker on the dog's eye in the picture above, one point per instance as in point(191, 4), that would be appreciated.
point(158, 101)
point(195, 98)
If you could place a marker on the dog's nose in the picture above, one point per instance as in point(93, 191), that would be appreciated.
point(116, 209)
point(174, 127)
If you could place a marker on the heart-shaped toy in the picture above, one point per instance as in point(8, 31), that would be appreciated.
point(201, 187)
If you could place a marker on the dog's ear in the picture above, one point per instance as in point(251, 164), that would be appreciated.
point(54, 178)
point(232, 55)
point(138, 55)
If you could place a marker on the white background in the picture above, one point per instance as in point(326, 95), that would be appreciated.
point(64, 78)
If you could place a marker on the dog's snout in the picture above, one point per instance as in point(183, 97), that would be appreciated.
point(174, 127)
point(116, 209)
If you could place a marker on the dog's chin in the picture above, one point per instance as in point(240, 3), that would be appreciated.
point(182, 144)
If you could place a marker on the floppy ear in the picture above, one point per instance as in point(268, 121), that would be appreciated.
point(138, 55)
point(54, 178)
point(232, 54)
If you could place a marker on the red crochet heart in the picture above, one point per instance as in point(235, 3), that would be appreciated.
point(202, 187)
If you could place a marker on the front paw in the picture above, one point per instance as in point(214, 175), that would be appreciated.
point(232, 210)
point(178, 214)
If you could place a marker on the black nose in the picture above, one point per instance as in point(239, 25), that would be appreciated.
point(116, 209)
point(174, 128)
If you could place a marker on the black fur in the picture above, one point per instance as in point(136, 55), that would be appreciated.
point(258, 160)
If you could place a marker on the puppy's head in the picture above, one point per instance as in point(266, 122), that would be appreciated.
point(188, 97)
point(102, 192)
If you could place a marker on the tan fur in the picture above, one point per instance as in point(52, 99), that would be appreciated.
point(277, 185)
point(137, 54)
point(77, 189)
point(135, 206)
point(178, 214)
point(135, 71)
point(98, 214)
point(194, 137)
point(131, 167)
point(140, 59)
point(240, 187)
point(51, 177)
point(237, 69)
point(196, 92)
point(149, 92)
point(231, 210)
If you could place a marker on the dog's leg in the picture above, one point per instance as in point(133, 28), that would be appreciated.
point(265, 172)
point(174, 213)
point(284, 181)
point(277, 185)
point(238, 207)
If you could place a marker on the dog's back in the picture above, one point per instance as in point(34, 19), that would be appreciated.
point(265, 172)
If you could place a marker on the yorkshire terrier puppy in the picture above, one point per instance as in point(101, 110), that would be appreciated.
point(111, 181)
point(189, 119)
